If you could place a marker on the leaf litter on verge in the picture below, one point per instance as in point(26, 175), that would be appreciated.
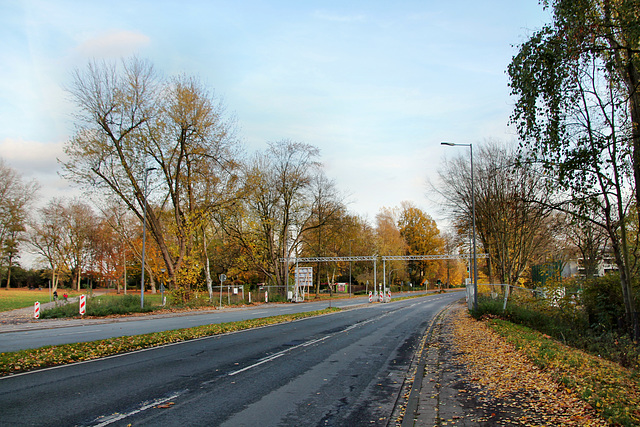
point(506, 374)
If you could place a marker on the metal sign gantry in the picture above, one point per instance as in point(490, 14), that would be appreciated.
point(331, 258)
point(428, 257)
point(374, 259)
point(422, 258)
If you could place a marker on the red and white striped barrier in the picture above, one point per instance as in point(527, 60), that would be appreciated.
point(266, 296)
point(370, 296)
point(83, 304)
point(381, 296)
point(36, 310)
point(389, 293)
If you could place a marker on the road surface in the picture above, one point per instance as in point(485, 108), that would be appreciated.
point(50, 332)
point(340, 369)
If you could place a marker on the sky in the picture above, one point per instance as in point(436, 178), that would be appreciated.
point(375, 85)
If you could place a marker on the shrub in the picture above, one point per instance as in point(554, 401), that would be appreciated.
point(602, 300)
point(100, 306)
point(570, 319)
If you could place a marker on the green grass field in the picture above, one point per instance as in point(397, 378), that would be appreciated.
point(11, 299)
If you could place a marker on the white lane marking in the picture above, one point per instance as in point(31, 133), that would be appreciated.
point(144, 407)
point(78, 332)
point(304, 344)
point(277, 355)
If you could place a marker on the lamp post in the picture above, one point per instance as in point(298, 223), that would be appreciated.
point(473, 216)
point(144, 233)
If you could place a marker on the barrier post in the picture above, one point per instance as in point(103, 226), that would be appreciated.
point(83, 305)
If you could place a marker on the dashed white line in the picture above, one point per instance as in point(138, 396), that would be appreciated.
point(117, 417)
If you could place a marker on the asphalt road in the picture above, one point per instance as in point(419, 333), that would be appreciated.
point(341, 369)
point(83, 330)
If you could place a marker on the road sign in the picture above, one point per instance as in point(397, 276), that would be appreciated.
point(36, 310)
point(370, 296)
point(304, 280)
point(223, 277)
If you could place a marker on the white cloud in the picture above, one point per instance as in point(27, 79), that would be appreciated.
point(114, 44)
point(37, 161)
point(31, 157)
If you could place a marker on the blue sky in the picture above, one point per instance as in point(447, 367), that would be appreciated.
point(376, 86)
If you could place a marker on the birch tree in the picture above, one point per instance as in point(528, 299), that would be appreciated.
point(578, 114)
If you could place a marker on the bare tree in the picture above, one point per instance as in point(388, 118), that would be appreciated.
point(16, 197)
point(46, 238)
point(279, 205)
point(511, 221)
point(131, 122)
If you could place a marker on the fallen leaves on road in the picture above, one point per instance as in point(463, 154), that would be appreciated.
point(165, 405)
point(506, 377)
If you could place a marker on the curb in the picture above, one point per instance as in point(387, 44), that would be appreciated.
point(410, 415)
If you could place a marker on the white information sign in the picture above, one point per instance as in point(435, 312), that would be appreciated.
point(304, 280)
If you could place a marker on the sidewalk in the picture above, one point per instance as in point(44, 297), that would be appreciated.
point(471, 377)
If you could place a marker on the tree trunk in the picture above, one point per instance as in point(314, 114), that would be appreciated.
point(9, 274)
point(207, 270)
point(54, 280)
point(124, 279)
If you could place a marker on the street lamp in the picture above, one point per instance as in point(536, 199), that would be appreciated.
point(473, 215)
point(144, 233)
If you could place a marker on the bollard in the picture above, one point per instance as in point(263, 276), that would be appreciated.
point(83, 304)
point(36, 310)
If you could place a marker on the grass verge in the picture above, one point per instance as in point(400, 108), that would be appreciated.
point(614, 391)
point(11, 299)
point(44, 357)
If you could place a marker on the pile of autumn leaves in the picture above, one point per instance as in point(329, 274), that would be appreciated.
point(44, 357)
point(550, 383)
